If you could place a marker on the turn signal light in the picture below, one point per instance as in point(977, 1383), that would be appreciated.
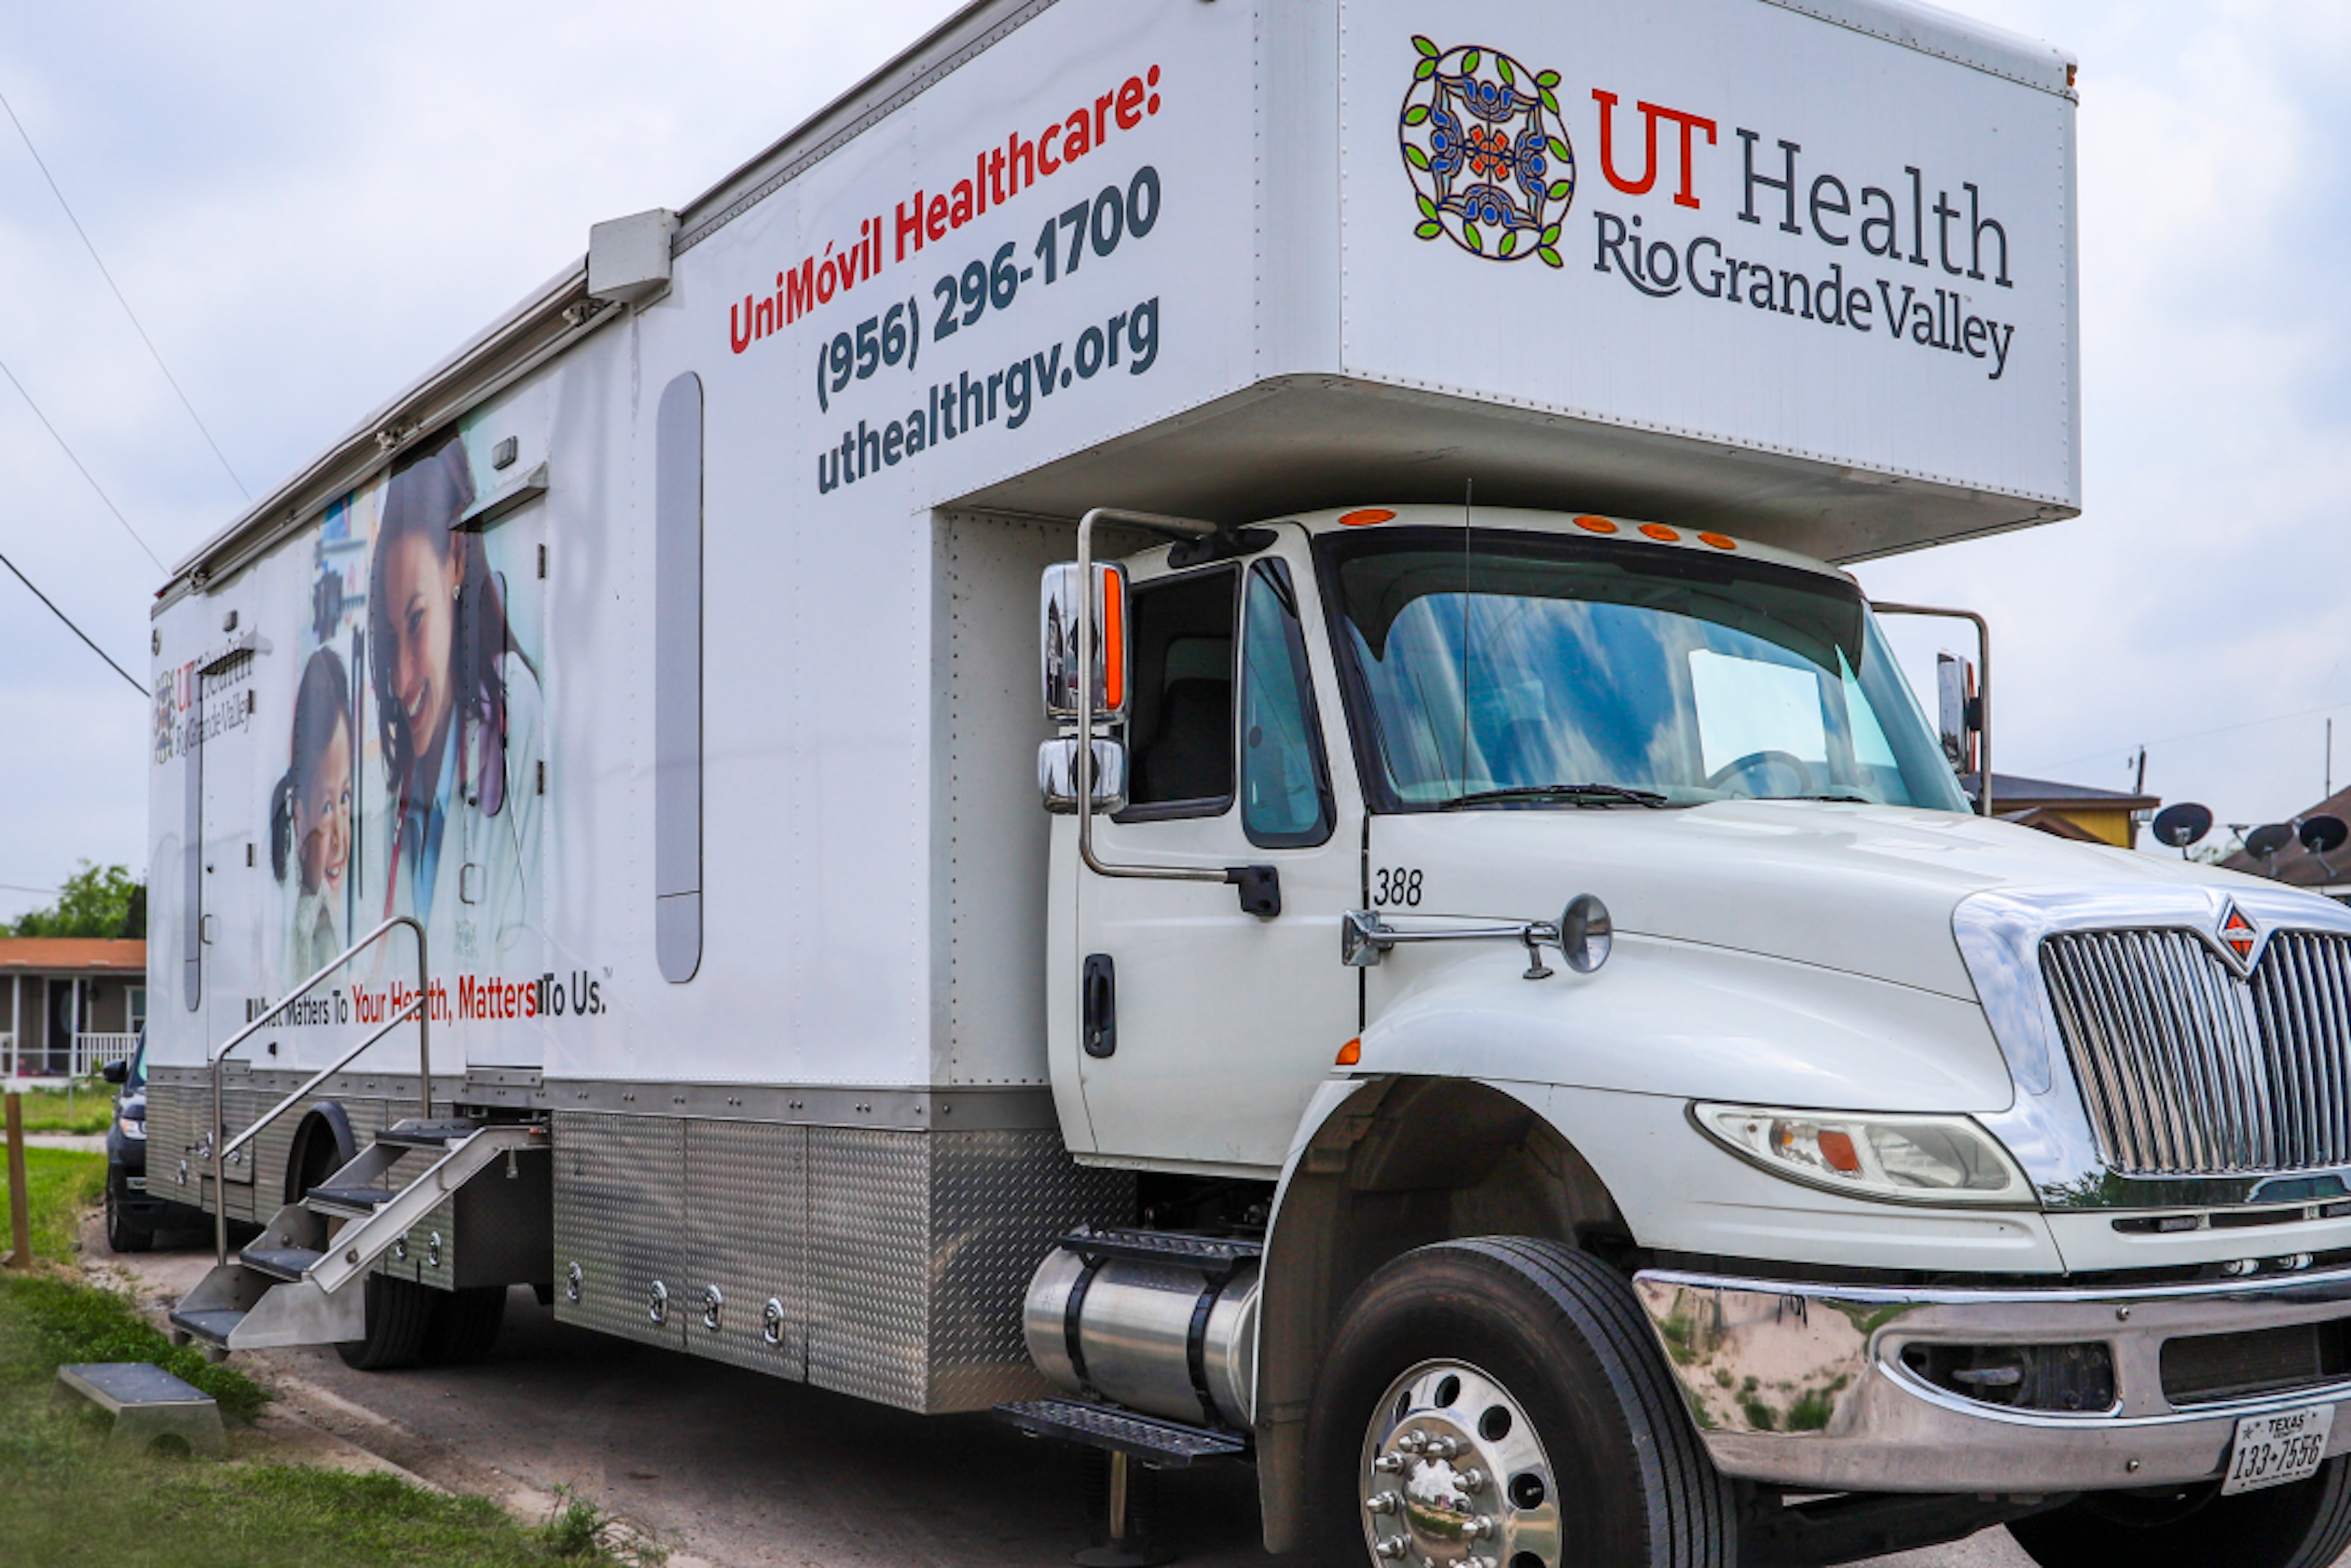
point(1351, 1053)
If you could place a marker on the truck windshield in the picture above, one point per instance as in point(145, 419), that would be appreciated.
point(1490, 668)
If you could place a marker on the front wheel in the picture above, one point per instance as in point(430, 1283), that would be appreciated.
point(121, 1234)
point(1502, 1399)
point(2305, 1525)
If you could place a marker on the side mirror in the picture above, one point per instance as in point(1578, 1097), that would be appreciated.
point(1959, 716)
point(115, 1072)
point(1058, 643)
point(1057, 775)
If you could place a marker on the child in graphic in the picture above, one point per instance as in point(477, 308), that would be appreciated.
point(310, 815)
point(457, 704)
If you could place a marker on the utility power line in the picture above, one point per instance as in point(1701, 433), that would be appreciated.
point(2200, 734)
point(135, 323)
point(77, 462)
point(74, 629)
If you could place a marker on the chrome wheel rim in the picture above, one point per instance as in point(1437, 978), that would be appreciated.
point(1453, 1475)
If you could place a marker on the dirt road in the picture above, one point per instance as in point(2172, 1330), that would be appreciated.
point(744, 1472)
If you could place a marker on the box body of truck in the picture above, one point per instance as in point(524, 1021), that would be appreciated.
point(668, 656)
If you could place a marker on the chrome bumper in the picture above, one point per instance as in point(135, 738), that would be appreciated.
point(1756, 1358)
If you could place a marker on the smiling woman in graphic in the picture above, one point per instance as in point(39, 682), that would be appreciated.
point(458, 708)
point(310, 815)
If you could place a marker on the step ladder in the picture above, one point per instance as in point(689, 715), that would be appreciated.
point(294, 1284)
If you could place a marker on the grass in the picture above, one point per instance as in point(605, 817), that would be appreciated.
point(89, 1109)
point(66, 1501)
point(61, 1186)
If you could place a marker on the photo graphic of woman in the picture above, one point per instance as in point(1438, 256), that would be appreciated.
point(457, 709)
point(310, 815)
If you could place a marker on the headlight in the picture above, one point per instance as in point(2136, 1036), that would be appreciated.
point(1896, 1159)
point(131, 1128)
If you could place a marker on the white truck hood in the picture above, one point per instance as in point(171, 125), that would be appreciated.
point(1869, 890)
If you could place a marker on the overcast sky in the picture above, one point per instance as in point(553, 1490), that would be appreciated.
point(308, 204)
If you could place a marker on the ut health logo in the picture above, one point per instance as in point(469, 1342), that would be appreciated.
point(1487, 152)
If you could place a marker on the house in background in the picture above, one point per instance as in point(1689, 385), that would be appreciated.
point(69, 1004)
point(2329, 874)
point(2070, 810)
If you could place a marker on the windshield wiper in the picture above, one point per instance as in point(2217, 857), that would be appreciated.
point(1841, 800)
point(1577, 794)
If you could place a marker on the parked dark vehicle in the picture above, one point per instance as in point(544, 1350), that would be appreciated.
point(132, 1216)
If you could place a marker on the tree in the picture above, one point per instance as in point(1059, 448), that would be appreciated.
point(96, 901)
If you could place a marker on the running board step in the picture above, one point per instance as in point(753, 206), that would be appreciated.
point(347, 1202)
point(279, 1262)
point(1163, 1444)
point(414, 1134)
point(1214, 1255)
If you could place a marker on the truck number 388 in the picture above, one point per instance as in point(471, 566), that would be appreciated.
point(1399, 886)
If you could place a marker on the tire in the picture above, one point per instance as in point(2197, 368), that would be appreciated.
point(465, 1325)
point(1534, 1361)
point(399, 1312)
point(2306, 1525)
point(121, 1234)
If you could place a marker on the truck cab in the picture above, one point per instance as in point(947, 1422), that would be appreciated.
point(1563, 912)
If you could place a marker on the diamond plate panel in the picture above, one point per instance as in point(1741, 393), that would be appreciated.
point(746, 1235)
point(869, 1263)
point(999, 1201)
point(620, 1216)
point(171, 1123)
point(434, 1266)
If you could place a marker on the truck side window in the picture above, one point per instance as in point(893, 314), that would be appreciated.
point(1285, 789)
point(1179, 734)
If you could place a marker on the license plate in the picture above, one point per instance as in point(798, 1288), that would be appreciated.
point(2272, 1451)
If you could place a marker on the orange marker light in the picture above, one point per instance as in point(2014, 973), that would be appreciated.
point(1351, 1053)
point(1837, 1149)
point(1597, 525)
point(1659, 531)
point(1719, 541)
point(1366, 518)
point(1114, 642)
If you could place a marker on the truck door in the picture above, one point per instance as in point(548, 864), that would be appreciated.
point(235, 979)
point(1203, 1028)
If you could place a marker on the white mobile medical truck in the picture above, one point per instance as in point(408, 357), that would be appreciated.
point(1529, 1045)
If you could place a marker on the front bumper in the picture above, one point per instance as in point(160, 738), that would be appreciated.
point(1756, 1358)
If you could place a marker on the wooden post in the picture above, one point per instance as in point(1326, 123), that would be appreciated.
point(20, 1206)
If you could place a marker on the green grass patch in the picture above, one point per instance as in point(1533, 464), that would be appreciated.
point(66, 1501)
point(89, 1109)
point(61, 1186)
point(47, 1322)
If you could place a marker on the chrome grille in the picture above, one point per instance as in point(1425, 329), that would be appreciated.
point(2187, 1068)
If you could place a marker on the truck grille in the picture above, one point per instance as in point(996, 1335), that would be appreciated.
point(2187, 1068)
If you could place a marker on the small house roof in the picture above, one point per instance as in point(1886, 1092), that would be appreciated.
point(2296, 866)
point(73, 954)
point(2012, 792)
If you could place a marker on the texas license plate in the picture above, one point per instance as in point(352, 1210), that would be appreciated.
point(2272, 1451)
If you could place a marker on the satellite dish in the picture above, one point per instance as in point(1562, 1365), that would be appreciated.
point(2176, 827)
point(2268, 838)
point(2323, 835)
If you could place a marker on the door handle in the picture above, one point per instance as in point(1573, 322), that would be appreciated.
point(1098, 997)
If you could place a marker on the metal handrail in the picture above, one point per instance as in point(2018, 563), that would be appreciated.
point(417, 1010)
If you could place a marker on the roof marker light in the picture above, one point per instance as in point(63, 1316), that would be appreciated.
point(1659, 531)
point(1719, 541)
point(1365, 518)
point(1596, 525)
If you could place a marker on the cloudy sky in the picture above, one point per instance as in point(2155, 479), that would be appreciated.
point(308, 204)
